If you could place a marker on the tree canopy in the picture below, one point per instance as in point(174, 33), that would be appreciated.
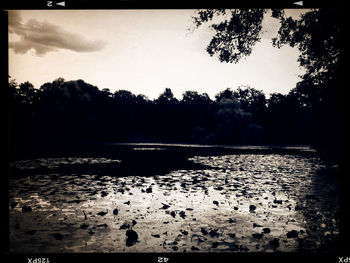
point(317, 34)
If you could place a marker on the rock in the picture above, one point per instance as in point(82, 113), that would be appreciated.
point(156, 235)
point(91, 232)
point(292, 234)
point(30, 232)
point(193, 248)
point(266, 230)
point(103, 194)
point(26, 209)
point(175, 248)
point(235, 208)
point(257, 236)
point(134, 222)
point(149, 190)
point(14, 204)
point(172, 214)
point(127, 203)
point(132, 237)
point(204, 232)
point(58, 236)
point(256, 225)
point(115, 211)
point(216, 203)
point(219, 188)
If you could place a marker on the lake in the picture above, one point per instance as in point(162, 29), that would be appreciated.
point(252, 199)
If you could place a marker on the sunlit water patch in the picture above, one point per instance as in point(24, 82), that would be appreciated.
point(261, 203)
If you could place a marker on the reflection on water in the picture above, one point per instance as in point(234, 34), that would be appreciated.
point(248, 203)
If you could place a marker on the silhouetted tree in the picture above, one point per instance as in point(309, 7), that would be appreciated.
point(317, 35)
point(225, 94)
point(167, 97)
point(252, 101)
point(196, 115)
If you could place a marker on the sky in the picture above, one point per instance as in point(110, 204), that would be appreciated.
point(143, 51)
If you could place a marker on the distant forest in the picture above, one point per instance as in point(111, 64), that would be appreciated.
point(75, 111)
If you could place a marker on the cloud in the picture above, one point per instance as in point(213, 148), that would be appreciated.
point(45, 37)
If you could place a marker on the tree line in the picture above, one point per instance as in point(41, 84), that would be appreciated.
point(65, 111)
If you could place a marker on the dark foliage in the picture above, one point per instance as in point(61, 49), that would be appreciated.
point(310, 113)
point(74, 111)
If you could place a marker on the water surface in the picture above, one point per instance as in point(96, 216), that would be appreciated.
point(247, 202)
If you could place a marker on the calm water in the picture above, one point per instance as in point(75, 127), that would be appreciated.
point(248, 202)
